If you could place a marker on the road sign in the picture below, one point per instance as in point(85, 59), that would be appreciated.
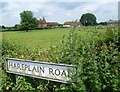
point(38, 69)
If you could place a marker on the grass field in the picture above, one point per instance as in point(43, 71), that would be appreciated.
point(44, 38)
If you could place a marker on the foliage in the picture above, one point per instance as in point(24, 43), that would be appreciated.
point(25, 26)
point(97, 63)
point(3, 27)
point(88, 19)
point(27, 20)
point(103, 23)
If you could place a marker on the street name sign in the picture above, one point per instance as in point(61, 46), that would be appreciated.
point(42, 70)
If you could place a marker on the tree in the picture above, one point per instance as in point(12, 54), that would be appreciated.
point(25, 26)
point(34, 22)
point(27, 20)
point(16, 25)
point(103, 23)
point(88, 19)
point(3, 27)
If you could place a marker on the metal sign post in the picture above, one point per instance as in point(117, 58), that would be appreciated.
point(16, 76)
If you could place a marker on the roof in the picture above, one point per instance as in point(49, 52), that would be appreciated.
point(52, 23)
point(42, 20)
point(71, 22)
point(68, 23)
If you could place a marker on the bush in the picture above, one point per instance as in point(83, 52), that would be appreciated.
point(97, 63)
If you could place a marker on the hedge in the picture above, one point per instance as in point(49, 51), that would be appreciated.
point(97, 60)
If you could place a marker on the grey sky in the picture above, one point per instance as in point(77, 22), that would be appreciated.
point(57, 11)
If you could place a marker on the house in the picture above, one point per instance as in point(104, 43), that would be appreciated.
point(70, 23)
point(111, 22)
point(43, 23)
point(54, 24)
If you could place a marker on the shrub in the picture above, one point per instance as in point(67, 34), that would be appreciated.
point(97, 63)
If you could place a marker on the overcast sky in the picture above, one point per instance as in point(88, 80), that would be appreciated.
point(57, 11)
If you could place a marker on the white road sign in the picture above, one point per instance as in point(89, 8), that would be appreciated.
point(38, 69)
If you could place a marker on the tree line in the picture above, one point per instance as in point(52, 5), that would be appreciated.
point(28, 21)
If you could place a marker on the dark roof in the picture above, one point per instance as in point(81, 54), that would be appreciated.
point(71, 22)
point(42, 21)
point(52, 23)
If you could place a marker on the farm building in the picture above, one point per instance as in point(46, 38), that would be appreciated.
point(52, 24)
point(111, 22)
point(43, 23)
point(69, 23)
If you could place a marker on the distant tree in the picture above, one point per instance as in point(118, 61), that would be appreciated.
point(16, 25)
point(27, 20)
point(88, 19)
point(25, 26)
point(103, 23)
point(34, 22)
point(3, 27)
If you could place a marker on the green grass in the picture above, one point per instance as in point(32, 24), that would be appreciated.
point(35, 38)
point(44, 38)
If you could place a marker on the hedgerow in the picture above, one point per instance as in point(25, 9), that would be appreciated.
point(97, 60)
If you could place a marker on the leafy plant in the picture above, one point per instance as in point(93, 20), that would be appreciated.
point(97, 60)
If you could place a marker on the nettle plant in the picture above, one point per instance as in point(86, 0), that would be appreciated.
point(97, 60)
